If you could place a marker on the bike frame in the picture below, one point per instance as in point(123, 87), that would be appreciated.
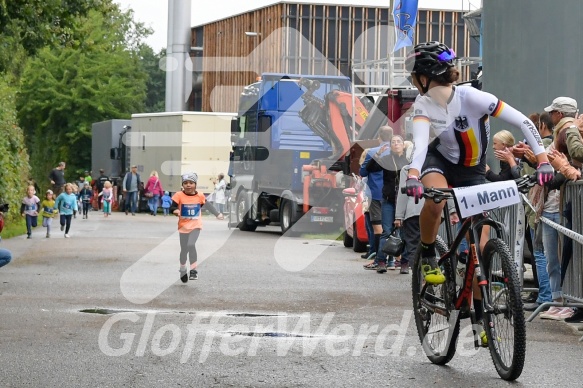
point(453, 298)
point(463, 299)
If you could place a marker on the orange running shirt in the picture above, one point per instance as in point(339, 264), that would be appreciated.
point(190, 211)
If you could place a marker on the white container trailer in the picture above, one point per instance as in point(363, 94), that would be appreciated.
point(173, 143)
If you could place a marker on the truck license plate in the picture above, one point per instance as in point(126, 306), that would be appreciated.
point(322, 219)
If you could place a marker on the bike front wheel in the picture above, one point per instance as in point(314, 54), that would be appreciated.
point(504, 325)
point(438, 323)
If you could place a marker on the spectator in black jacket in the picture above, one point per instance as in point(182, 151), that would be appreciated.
point(509, 167)
point(57, 178)
point(391, 165)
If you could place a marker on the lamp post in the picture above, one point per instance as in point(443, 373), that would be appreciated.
point(254, 34)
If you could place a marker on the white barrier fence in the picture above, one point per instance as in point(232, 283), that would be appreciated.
point(573, 283)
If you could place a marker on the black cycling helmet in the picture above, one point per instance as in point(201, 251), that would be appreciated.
point(430, 58)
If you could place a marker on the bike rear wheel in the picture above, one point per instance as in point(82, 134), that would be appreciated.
point(505, 327)
point(437, 322)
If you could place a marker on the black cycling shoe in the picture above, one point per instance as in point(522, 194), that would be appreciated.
point(183, 275)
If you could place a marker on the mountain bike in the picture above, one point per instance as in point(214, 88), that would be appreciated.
point(438, 309)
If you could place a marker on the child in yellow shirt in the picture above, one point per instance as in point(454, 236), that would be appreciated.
point(48, 211)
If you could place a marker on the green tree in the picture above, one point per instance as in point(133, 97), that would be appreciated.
point(63, 91)
point(156, 84)
point(41, 23)
point(27, 26)
point(14, 168)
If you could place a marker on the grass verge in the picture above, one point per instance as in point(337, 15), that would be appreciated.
point(13, 229)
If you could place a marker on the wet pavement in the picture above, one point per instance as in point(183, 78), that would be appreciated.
point(106, 308)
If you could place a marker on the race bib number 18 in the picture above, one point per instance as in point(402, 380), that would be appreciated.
point(190, 211)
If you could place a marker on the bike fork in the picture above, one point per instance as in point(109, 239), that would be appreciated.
point(482, 281)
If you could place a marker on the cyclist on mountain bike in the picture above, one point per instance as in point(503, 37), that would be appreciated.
point(458, 117)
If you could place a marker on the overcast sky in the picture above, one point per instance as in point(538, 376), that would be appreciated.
point(154, 13)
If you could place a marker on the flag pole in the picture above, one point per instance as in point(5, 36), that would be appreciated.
point(391, 52)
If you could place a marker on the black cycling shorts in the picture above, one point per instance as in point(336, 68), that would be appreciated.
point(456, 175)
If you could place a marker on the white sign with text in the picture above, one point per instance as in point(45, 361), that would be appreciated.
point(477, 199)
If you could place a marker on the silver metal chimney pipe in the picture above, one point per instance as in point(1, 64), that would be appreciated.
point(178, 78)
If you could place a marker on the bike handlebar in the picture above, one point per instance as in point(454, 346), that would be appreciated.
point(524, 183)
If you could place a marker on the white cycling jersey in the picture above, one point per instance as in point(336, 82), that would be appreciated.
point(463, 127)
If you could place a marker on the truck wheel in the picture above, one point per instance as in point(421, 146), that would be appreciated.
point(243, 209)
point(358, 245)
point(287, 217)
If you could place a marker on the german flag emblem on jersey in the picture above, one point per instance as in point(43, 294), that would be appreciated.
point(469, 147)
point(499, 108)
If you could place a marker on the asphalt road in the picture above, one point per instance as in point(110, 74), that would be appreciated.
point(266, 312)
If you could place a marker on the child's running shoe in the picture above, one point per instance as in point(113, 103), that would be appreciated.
point(193, 274)
point(183, 274)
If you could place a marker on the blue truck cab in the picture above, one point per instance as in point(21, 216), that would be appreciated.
point(271, 144)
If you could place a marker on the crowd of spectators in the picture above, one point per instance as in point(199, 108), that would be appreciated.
point(561, 129)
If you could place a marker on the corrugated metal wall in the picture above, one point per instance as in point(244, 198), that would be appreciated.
point(532, 52)
point(447, 27)
point(228, 49)
point(320, 39)
point(332, 31)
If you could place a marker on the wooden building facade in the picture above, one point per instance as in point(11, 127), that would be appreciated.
point(303, 39)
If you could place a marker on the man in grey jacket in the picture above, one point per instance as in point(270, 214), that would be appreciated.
point(130, 186)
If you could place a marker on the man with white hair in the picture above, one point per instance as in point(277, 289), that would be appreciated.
point(563, 112)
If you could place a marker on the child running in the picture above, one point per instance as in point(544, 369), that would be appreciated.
point(66, 204)
point(107, 197)
point(76, 193)
point(188, 203)
point(166, 203)
point(48, 211)
point(85, 196)
point(29, 209)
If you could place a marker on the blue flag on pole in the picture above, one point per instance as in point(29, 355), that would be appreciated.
point(405, 16)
